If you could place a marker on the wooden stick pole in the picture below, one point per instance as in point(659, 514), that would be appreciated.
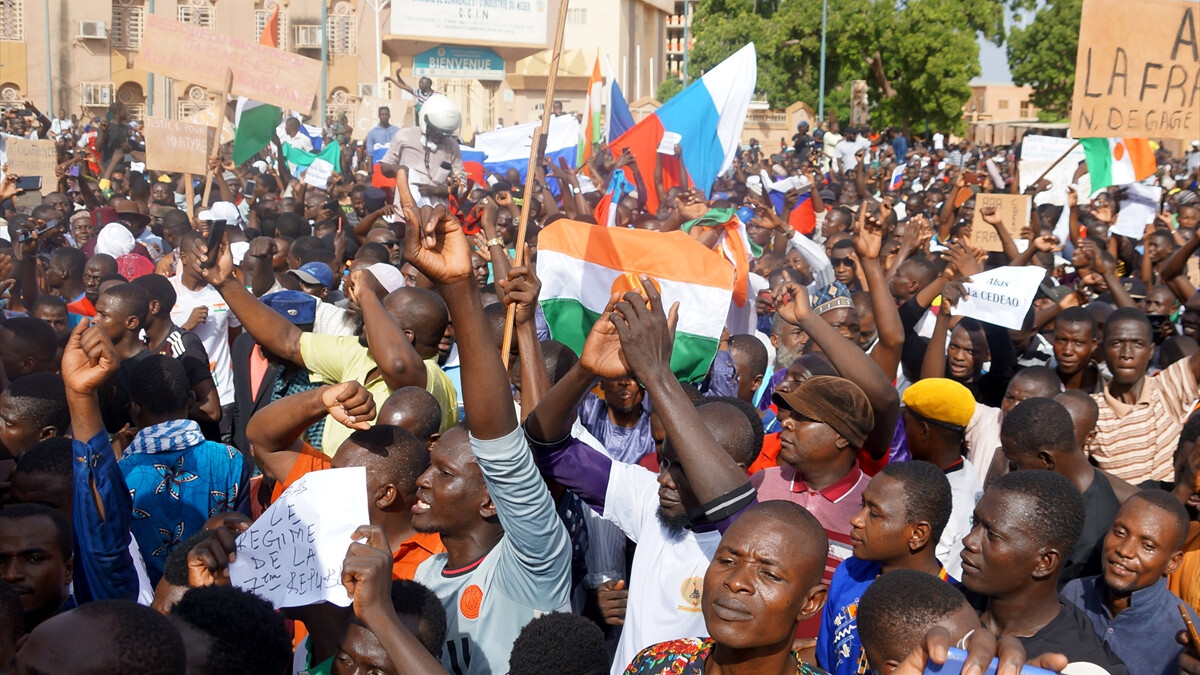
point(536, 150)
point(189, 193)
point(216, 149)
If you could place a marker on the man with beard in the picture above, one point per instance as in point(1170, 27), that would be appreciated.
point(402, 328)
point(677, 517)
point(620, 420)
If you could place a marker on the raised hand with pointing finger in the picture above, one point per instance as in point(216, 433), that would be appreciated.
point(435, 242)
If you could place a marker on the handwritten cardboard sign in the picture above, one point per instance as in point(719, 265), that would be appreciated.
point(1001, 296)
point(367, 115)
point(201, 56)
point(292, 555)
point(1137, 72)
point(34, 158)
point(175, 145)
point(1013, 209)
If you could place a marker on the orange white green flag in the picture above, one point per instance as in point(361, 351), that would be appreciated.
point(1118, 161)
point(593, 106)
point(580, 266)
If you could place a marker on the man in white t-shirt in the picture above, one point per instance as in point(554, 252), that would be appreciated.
point(939, 140)
point(61, 124)
point(676, 516)
point(292, 136)
point(199, 308)
point(846, 150)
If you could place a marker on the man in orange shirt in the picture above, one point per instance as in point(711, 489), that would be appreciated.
point(393, 457)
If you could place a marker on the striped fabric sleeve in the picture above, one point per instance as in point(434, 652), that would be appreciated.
point(1179, 387)
point(722, 511)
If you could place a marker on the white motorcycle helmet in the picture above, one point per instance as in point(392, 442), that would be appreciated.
point(439, 116)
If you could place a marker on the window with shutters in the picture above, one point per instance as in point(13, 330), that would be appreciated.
point(197, 13)
point(127, 25)
point(341, 31)
point(260, 23)
point(12, 20)
point(577, 16)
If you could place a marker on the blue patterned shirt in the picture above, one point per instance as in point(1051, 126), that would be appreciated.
point(177, 480)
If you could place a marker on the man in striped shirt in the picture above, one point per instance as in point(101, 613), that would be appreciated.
point(1140, 417)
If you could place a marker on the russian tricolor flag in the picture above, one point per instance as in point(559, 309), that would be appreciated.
point(708, 115)
point(803, 218)
point(897, 177)
point(508, 148)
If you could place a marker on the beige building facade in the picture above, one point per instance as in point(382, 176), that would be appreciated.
point(81, 55)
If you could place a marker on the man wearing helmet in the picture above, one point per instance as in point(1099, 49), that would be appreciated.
point(429, 150)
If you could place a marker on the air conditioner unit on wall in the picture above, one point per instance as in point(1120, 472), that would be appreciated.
point(92, 30)
point(308, 37)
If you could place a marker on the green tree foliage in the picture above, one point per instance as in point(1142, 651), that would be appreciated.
point(667, 89)
point(917, 56)
point(1042, 55)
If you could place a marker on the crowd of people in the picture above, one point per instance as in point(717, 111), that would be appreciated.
point(863, 479)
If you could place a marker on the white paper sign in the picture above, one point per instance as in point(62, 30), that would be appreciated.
point(1037, 154)
point(318, 173)
point(669, 140)
point(1139, 205)
point(292, 555)
point(1001, 296)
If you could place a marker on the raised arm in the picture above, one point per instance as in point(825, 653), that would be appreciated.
point(269, 328)
point(868, 241)
point(992, 218)
point(438, 248)
point(367, 576)
point(646, 335)
point(850, 361)
point(274, 432)
point(1175, 267)
point(1107, 268)
point(399, 363)
point(522, 288)
point(103, 508)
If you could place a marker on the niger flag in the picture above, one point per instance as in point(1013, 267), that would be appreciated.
point(1118, 161)
point(582, 264)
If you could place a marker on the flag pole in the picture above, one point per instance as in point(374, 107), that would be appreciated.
point(216, 149)
point(536, 150)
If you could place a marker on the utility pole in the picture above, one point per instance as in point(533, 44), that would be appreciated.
point(821, 85)
point(687, 37)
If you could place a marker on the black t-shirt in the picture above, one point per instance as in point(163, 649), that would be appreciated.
point(1085, 558)
point(113, 408)
point(188, 348)
point(1072, 634)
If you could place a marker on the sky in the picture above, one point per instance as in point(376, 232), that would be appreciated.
point(994, 63)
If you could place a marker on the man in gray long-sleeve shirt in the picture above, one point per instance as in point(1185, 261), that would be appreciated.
point(508, 557)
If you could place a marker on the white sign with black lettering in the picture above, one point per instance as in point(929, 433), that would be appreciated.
point(292, 555)
point(1001, 296)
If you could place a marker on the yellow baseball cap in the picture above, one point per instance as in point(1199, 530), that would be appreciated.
point(940, 400)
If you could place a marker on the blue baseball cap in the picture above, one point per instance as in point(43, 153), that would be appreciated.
point(295, 306)
point(314, 273)
point(745, 214)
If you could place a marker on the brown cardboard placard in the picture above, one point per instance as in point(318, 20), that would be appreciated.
point(201, 56)
point(178, 146)
point(34, 158)
point(1137, 70)
point(1013, 210)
